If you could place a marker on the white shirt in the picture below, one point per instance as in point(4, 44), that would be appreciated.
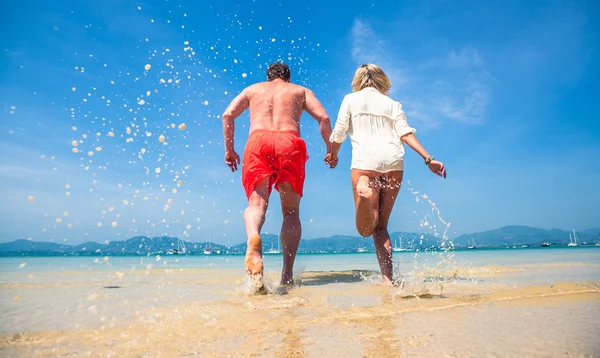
point(375, 124)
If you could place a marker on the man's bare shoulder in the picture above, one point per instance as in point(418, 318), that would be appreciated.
point(254, 87)
point(299, 88)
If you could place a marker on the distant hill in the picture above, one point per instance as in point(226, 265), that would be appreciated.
point(341, 243)
point(520, 235)
point(33, 246)
point(594, 232)
point(143, 245)
point(139, 245)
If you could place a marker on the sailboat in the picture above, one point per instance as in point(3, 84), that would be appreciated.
point(399, 248)
point(362, 247)
point(273, 251)
point(180, 248)
point(573, 241)
point(546, 243)
point(473, 245)
point(208, 250)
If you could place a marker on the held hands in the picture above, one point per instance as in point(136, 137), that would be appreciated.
point(331, 160)
point(437, 168)
point(232, 159)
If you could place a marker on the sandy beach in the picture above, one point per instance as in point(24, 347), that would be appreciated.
point(126, 308)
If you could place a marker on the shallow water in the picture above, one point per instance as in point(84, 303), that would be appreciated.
point(472, 304)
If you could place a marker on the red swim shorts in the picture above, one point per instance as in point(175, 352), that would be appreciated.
point(280, 155)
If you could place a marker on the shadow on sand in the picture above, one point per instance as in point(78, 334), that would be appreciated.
point(316, 278)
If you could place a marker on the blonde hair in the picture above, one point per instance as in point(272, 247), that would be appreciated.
point(371, 75)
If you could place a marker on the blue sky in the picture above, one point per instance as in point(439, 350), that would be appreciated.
point(503, 93)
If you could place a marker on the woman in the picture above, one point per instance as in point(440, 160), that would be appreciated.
point(377, 128)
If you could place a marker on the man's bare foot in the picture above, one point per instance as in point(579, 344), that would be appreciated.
point(253, 261)
point(362, 187)
point(287, 280)
point(387, 281)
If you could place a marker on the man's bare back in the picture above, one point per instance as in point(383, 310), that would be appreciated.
point(275, 106)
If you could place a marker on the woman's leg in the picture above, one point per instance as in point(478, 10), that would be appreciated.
point(366, 200)
point(390, 186)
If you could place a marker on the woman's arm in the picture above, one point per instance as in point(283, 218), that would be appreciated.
point(411, 140)
point(435, 166)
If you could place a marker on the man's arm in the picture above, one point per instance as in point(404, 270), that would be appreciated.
point(313, 107)
point(235, 108)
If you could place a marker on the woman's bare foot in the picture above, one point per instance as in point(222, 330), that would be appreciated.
point(253, 261)
point(362, 187)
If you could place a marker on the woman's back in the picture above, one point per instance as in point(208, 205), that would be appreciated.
point(375, 124)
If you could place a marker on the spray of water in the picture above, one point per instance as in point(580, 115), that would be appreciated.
point(434, 264)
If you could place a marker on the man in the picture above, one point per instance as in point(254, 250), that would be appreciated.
point(275, 154)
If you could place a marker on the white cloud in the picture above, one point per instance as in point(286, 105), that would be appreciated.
point(21, 172)
point(369, 47)
point(454, 86)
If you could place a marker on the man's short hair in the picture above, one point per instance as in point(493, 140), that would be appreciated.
point(278, 70)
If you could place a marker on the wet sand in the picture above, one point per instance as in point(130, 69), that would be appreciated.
point(469, 311)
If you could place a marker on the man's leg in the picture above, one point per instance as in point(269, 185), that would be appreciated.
point(291, 230)
point(254, 218)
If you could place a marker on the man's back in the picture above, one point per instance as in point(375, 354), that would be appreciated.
point(276, 106)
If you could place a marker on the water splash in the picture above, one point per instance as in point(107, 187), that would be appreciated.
point(434, 265)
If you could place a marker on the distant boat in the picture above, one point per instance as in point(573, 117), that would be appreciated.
point(399, 248)
point(208, 250)
point(473, 245)
point(273, 251)
point(180, 248)
point(362, 247)
point(524, 246)
point(573, 240)
point(546, 243)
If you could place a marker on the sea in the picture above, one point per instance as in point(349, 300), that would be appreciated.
point(524, 302)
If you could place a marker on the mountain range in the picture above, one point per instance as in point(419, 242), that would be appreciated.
point(142, 245)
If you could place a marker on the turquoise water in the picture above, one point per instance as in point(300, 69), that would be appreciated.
point(37, 293)
point(307, 262)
